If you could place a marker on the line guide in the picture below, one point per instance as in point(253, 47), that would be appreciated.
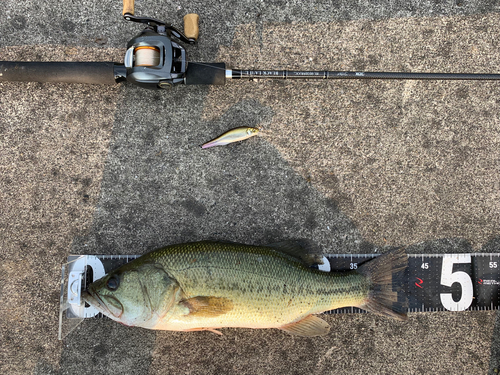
point(434, 282)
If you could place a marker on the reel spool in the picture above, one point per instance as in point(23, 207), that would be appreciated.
point(148, 56)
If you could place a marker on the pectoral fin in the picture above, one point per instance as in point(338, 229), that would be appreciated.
point(209, 307)
point(310, 326)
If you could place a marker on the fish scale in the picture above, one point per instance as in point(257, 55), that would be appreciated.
point(265, 287)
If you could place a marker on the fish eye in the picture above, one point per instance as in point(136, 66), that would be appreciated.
point(112, 283)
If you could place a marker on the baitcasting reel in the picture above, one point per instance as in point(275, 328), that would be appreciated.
point(153, 59)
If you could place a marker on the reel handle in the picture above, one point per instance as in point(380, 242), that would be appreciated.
point(128, 7)
point(191, 29)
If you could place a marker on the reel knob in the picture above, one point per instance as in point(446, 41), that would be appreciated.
point(191, 29)
point(128, 7)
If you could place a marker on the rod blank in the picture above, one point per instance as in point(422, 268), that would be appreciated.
point(290, 74)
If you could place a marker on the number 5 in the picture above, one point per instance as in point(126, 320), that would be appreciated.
point(448, 278)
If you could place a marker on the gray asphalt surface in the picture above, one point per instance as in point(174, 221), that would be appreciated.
point(351, 166)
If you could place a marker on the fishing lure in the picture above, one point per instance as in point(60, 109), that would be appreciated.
point(233, 135)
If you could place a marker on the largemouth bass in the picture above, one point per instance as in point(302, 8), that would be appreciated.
point(211, 285)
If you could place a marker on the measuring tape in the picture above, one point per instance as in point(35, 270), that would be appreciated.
point(438, 282)
point(434, 282)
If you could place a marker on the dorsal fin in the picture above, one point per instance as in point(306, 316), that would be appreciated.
point(296, 250)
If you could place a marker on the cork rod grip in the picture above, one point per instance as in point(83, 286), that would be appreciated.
point(128, 7)
point(191, 29)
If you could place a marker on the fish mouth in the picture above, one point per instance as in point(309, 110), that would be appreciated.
point(95, 300)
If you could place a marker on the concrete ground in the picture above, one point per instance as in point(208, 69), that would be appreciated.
point(351, 166)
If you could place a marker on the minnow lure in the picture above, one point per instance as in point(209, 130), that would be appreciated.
point(233, 135)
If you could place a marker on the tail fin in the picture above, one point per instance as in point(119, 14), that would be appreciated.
point(386, 279)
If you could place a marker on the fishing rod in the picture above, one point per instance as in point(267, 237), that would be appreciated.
point(155, 60)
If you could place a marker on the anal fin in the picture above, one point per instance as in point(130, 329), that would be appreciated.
point(310, 326)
